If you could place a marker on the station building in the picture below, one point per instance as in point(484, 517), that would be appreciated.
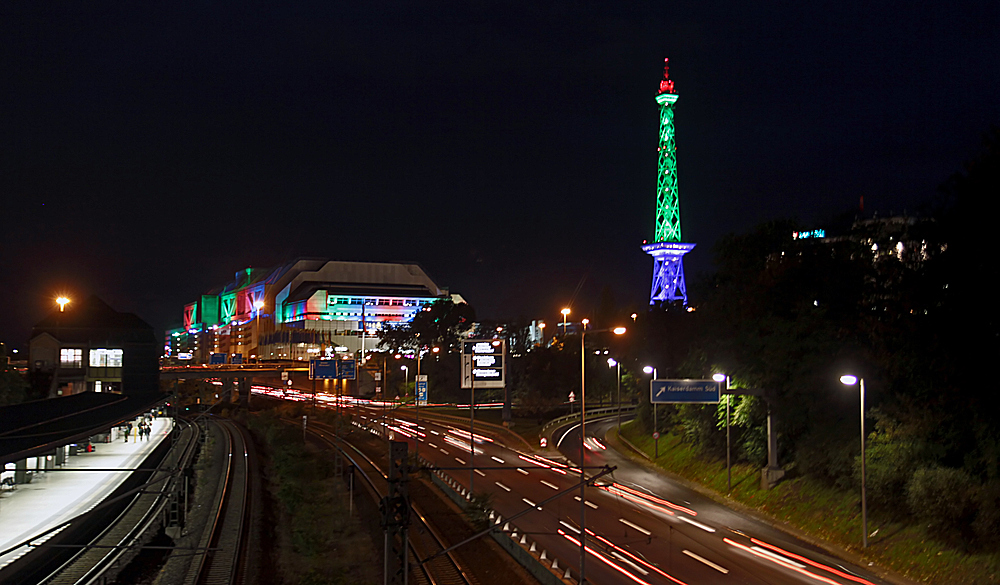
point(90, 347)
point(308, 308)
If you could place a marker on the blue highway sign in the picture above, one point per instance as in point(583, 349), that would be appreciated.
point(684, 392)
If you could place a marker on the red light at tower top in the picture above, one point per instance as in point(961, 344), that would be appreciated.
point(666, 84)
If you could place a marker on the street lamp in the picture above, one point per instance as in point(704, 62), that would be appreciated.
point(583, 436)
point(258, 304)
point(564, 313)
point(62, 301)
point(656, 430)
point(612, 363)
point(849, 380)
point(720, 378)
point(406, 379)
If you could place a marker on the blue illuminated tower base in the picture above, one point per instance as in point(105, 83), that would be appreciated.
point(668, 272)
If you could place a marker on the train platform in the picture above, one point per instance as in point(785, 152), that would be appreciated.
point(57, 495)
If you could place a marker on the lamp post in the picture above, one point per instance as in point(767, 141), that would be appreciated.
point(406, 379)
point(583, 436)
point(849, 380)
point(564, 312)
point(656, 430)
point(258, 304)
point(612, 363)
point(720, 378)
point(541, 334)
point(62, 302)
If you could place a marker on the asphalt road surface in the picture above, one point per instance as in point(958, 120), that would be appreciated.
point(641, 526)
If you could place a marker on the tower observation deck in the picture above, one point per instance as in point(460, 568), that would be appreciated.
point(667, 250)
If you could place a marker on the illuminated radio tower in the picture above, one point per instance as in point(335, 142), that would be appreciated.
point(667, 251)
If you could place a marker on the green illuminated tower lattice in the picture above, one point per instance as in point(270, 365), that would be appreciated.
point(667, 251)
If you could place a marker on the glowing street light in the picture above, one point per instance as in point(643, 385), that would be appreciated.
point(849, 380)
point(613, 363)
point(564, 312)
point(720, 378)
point(583, 436)
point(656, 430)
point(406, 378)
point(62, 302)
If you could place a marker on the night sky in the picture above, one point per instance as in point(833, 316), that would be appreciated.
point(148, 151)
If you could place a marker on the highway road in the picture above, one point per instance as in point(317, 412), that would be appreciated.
point(641, 526)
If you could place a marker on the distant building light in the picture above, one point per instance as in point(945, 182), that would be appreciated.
point(808, 234)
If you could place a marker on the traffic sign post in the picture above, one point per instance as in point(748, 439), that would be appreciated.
point(422, 390)
point(684, 392)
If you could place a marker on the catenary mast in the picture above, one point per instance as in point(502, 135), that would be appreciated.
point(667, 250)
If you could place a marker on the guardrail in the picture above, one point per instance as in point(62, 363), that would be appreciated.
point(591, 412)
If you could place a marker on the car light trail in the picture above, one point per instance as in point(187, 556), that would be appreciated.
point(606, 560)
point(465, 435)
point(647, 497)
point(635, 558)
point(540, 464)
point(812, 562)
point(636, 500)
point(779, 561)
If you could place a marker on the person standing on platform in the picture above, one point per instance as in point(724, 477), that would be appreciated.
point(128, 431)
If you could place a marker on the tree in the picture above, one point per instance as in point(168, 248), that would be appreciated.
point(13, 386)
point(438, 324)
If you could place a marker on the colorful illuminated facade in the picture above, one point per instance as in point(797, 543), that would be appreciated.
point(667, 250)
point(308, 308)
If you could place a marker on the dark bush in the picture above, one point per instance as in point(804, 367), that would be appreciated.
point(945, 499)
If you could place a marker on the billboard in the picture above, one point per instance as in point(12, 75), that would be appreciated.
point(483, 363)
point(217, 359)
point(684, 392)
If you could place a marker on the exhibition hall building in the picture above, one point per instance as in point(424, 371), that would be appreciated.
point(308, 308)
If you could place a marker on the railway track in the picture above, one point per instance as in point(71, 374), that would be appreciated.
point(223, 557)
point(424, 539)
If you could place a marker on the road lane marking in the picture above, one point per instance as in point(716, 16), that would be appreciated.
point(436, 433)
point(570, 526)
point(443, 451)
point(628, 562)
point(698, 524)
point(778, 557)
point(547, 484)
point(479, 472)
point(639, 528)
point(502, 486)
point(522, 471)
point(460, 462)
point(588, 502)
point(497, 459)
point(722, 570)
point(432, 445)
point(530, 503)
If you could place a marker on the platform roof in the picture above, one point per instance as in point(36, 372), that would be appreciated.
point(37, 427)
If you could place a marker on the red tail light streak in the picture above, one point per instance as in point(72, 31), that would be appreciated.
point(645, 499)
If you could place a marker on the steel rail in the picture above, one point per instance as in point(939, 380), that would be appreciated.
point(423, 544)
